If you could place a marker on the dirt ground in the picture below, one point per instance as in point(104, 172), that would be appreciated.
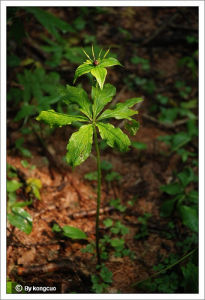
point(67, 198)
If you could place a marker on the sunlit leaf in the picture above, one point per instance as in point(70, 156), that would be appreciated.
point(78, 96)
point(102, 97)
point(20, 219)
point(34, 185)
point(73, 232)
point(114, 136)
point(13, 185)
point(58, 119)
point(82, 69)
point(122, 110)
point(99, 73)
point(109, 62)
point(80, 145)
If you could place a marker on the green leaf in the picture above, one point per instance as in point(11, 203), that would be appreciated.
point(18, 143)
point(79, 146)
point(83, 69)
point(187, 176)
point(193, 196)
point(117, 242)
point(73, 233)
point(167, 208)
point(99, 73)
point(172, 188)
point(25, 111)
point(116, 204)
point(49, 21)
point(168, 115)
point(53, 118)
point(139, 146)
point(114, 136)
point(9, 287)
point(108, 223)
point(113, 176)
point(80, 97)
point(121, 111)
point(91, 176)
point(180, 139)
point(21, 212)
point(190, 273)
point(25, 163)
point(109, 62)
point(132, 126)
point(106, 165)
point(119, 228)
point(106, 274)
point(56, 228)
point(189, 217)
point(12, 185)
point(33, 186)
point(20, 219)
point(142, 61)
point(22, 203)
point(101, 97)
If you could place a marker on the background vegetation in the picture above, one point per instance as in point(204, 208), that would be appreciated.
point(150, 217)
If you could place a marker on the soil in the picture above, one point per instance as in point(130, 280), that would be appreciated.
point(67, 198)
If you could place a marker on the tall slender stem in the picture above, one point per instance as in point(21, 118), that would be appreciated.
point(98, 195)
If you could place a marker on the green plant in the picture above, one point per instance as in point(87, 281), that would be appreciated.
point(174, 274)
point(102, 280)
point(143, 232)
point(106, 168)
point(178, 141)
point(184, 201)
point(80, 143)
point(16, 215)
point(141, 61)
point(69, 231)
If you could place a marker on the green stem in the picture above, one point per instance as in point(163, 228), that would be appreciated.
point(167, 268)
point(98, 195)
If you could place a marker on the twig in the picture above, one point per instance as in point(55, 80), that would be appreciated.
point(90, 213)
point(166, 125)
point(47, 268)
point(160, 29)
point(165, 269)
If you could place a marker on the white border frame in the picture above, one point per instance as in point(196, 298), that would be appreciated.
point(200, 5)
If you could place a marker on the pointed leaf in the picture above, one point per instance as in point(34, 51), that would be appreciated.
point(102, 97)
point(80, 145)
point(83, 69)
point(109, 62)
point(114, 136)
point(73, 232)
point(99, 73)
point(53, 118)
point(12, 185)
point(20, 219)
point(132, 127)
point(122, 110)
point(80, 97)
point(189, 217)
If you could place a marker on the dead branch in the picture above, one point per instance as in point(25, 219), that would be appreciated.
point(165, 125)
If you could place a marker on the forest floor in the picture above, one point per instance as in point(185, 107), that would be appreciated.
point(67, 198)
